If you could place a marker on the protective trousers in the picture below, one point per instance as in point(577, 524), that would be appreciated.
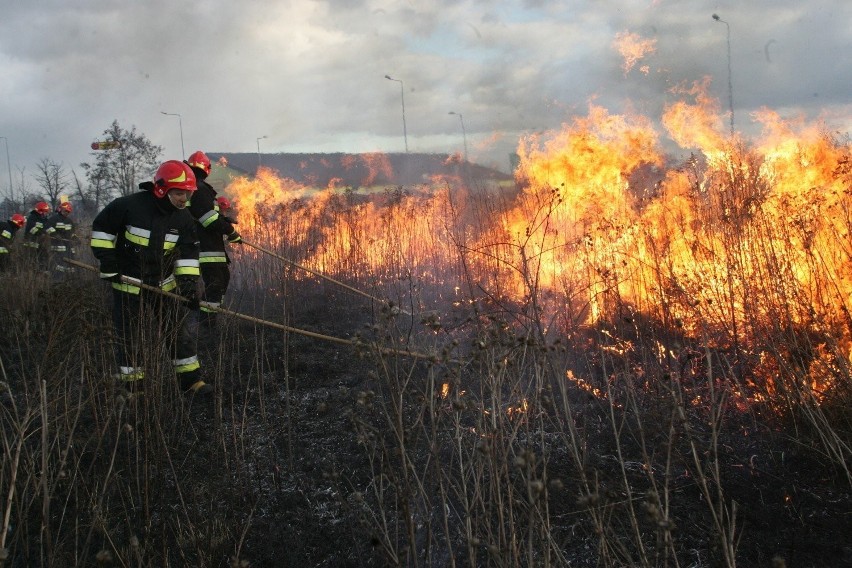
point(145, 325)
point(216, 277)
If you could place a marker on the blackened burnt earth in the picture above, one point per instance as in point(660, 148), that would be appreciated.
point(790, 505)
point(275, 472)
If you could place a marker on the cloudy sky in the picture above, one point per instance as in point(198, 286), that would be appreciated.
point(310, 74)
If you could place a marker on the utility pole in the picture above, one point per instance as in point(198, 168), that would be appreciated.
point(402, 96)
point(9, 167)
point(730, 83)
point(180, 124)
point(464, 133)
point(258, 150)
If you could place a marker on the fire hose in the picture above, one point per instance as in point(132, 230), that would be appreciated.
point(221, 310)
point(320, 275)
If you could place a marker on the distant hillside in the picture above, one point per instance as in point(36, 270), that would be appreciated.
point(360, 170)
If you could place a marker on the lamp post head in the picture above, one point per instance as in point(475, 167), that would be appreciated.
point(388, 77)
point(716, 17)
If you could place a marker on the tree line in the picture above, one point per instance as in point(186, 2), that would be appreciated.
point(112, 172)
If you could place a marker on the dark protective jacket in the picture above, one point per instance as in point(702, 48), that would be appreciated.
point(60, 228)
point(7, 235)
point(145, 238)
point(34, 229)
point(212, 226)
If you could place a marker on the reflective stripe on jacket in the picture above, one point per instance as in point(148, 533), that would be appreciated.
point(212, 226)
point(142, 237)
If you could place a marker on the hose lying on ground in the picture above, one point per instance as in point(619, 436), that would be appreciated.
point(306, 333)
point(320, 275)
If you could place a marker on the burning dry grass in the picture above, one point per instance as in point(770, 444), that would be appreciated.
point(629, 357)
point(717, 285)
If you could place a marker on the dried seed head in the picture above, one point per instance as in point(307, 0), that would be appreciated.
point(778, 562)
point(134, 542)
point(652, 510)
point(104, 557)
point(556, 485)
point(588, 500)
point(127, 428)
point(483, 447)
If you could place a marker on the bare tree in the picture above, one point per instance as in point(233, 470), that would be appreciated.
point(119, 169)
point(25, 192)
point(94, 195)
point(52, 178)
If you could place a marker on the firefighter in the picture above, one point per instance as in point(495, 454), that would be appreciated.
point(213, 227)
point(7, 237)
point(149, 237)
point(60, 229)
point(225, 206)
point(34, 235)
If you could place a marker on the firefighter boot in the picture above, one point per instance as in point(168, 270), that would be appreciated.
point(195, 386)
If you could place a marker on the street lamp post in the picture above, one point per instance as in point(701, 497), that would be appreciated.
point(9, 167)
point(258, 150)
point(464, 133)
point(180, 123)
point(402, 96)
point(730, 83)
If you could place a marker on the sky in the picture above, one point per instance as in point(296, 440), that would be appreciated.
point(310, 75)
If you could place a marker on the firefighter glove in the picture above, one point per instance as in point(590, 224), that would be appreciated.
point(112, 278)
point(235, 237)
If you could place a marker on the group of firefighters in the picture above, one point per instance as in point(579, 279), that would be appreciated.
point(151, 245)
point(47, 238)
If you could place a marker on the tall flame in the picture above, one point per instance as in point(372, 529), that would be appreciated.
point(741, 241)
point(633, 48)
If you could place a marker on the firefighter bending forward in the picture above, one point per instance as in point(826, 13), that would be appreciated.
point(213, 227)
point(149, 237)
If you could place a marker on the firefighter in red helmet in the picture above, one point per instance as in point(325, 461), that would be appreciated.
point(224, 204)
point(7, 237)
point(35, 238)
point(213, 227)
point(60, 229)
point(149, 238)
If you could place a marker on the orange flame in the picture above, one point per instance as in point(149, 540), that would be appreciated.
point(633, 48)
point(742, 241)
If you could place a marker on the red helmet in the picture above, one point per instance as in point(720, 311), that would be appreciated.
point(18, 220)
point(42, 208)
point(224, 203)
point(65, 207)
point(199, 159)
point(173, 175)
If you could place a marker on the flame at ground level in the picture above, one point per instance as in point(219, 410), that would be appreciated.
point(743, 242)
